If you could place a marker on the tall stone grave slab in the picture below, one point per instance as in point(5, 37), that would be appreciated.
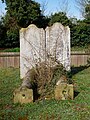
point(58, 44)
point(38, 45)
point(32, 48)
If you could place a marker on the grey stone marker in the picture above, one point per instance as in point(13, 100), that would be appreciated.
point(32, 45)
point(64, 91)
point(58, 43)
point(23, 95)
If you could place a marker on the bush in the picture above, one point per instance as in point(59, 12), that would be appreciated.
point(11, 50)
point(80, 35)
point(2, 34)
point(12, 39)
point(60, 17)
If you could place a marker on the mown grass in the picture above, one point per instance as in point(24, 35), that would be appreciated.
point(80, 49)
point(77, 109)
point(18, 49)
point(75, 48)
point(10, 50)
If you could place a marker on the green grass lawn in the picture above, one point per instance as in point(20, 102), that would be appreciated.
point(10, 50)
point(77, 109)
point(72, 49)
point(18, 49)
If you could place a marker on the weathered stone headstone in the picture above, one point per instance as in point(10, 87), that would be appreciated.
point(58, 44)
point(39, 45)
point(23, 95)
point(64, 91)
point(32, 48)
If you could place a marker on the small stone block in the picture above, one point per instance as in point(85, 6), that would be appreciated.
point(23, 95)
point(64, 91)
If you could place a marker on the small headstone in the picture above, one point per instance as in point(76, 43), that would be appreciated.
point(23, 95)
point(64, 91)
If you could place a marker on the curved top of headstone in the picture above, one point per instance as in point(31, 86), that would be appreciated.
point(58, 24)
point(30, 26)
point(53, 26)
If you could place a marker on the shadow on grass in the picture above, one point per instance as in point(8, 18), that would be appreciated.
point(75, 70)
point(76, 93)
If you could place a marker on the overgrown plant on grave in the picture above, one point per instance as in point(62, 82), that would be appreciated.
point(43, 78)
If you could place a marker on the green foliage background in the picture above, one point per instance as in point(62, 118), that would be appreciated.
point(80, 34)
point(21, 13)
